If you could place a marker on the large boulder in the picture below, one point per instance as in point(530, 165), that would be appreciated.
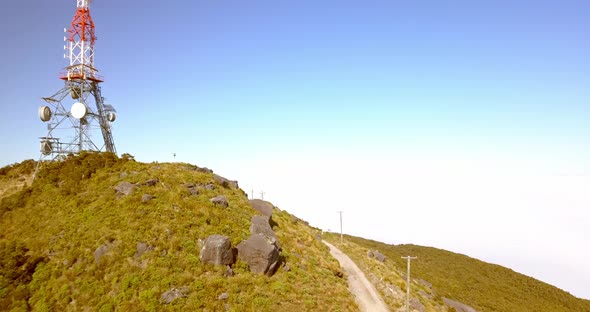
point(261, 225)
point(261, 253)
point(264, 207)
point(217, 250)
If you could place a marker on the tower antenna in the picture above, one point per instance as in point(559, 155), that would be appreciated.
point(70, 130)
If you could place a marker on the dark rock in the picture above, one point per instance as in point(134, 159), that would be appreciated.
point(125, 188)
point(142, 248)
point(286, 268)
point(151, 182)
point(379, 256)
point(370, 254)
point(146, 198)
point(174, 294)
point(458, 306)
point(220, 200)
point(225, 182)
point(339, 274)
point(260, 225)
point(217, 250)
point(264, 207)
point(223, 296)
point(100, 252)
point(192, 188)
point(210, 186)
point(261, 253)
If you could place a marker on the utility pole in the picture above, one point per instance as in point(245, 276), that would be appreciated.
point(408, 283)
point(341, 234)
point(262, 195)
point(252, 194)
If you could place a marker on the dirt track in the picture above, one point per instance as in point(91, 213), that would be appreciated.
point(366, 296)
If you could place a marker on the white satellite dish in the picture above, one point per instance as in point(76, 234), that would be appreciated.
point(44, 113)
point(79, 110)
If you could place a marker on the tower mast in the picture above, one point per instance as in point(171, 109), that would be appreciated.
point(82, 84)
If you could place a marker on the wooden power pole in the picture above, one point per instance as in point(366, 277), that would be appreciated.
point(408, 283)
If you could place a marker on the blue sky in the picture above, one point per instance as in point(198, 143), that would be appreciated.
point(338, 105)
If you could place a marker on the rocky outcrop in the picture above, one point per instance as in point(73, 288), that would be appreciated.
point(217, 250)
point(458, 306)
point(261, 225)
point(225, 182)
point(220, 200)
point(125, 188)
point(261, 253)
point(264, 207)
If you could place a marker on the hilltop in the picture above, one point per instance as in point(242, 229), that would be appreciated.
point(99, 232)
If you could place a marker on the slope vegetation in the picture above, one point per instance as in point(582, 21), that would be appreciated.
point(443, 281)
point(70, 241)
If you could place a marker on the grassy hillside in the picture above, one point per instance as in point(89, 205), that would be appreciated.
point(50, 231)
point(438, 273)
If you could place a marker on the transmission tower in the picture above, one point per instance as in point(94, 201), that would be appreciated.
point(73, 112)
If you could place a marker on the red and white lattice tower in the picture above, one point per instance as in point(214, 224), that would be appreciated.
point(70, 130)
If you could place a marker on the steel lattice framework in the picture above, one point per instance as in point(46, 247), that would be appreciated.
point(70, 130)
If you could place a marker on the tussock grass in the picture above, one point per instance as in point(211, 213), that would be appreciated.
point(50, 230)
point(484, 286)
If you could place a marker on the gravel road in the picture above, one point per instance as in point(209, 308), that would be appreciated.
point(366, 296)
